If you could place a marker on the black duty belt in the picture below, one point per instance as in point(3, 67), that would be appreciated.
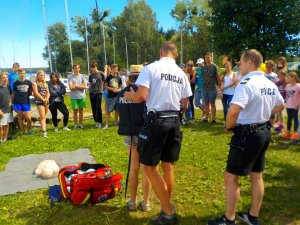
point(152, 114)
point(167, 114)
point(250, 128)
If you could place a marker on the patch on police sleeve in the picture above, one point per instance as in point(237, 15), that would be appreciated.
point(245, 81)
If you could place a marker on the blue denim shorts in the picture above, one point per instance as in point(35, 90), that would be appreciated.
point(21, 107)
point(105, 93)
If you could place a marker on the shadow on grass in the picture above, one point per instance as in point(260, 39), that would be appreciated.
point(213, 129)
point(97, 214)
point(284, 144)
point(282, 197)
point(281, 202)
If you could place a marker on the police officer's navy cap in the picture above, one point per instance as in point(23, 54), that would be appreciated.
point(135, 69)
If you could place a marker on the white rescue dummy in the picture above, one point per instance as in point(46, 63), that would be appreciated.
point(47, 169)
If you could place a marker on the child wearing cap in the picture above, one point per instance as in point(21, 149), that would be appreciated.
point(131, 122)
point(199, 84)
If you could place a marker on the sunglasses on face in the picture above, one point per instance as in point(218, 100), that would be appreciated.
point(190, 65)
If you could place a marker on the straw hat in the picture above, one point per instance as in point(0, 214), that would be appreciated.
point(135, 69)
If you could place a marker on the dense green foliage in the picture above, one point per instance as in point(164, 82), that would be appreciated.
point(59, 48)
point(272, 27)
point(139, 25)
point(191, 17)
point(226, 28)
point(199, 188)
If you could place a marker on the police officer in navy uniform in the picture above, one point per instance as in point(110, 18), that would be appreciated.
point(254, 101)
point(164, 86)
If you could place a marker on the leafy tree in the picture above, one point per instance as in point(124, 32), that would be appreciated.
point(191, 17)
point(95, 35)
point(79, 55)
point(58, 39)
point(63, 59)
point(139, 25)
point(168, 34)
point(272, 27)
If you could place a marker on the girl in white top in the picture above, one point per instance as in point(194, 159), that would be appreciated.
point(227, 86)
point(42, 95)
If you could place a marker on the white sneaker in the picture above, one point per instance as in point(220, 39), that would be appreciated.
point(105, 127)
point(55, 129)
point(76, 127)
point(100, 125)
point(97, 125)
point(131, 205)
point(81, 126)
point(44, 134)
point(66, 128)
point(144, 207)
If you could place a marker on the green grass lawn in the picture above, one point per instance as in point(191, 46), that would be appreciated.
point(199, 188)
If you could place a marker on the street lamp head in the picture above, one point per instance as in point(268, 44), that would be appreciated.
point(105, 14)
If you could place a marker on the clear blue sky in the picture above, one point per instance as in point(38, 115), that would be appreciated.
point(22, 22)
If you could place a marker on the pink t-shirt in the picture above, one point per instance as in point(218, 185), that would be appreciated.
point(292, 100)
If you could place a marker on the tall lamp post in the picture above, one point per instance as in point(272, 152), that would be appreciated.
point(69, 33)
point(47, 36)
point(182, 25)
point(105, 14)
point(137, 51)
point(181, 53)
point(87, 47)
point(113, 39)
point(126, 54)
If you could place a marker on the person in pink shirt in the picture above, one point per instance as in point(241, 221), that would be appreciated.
point(281, 84)
point(292, 103)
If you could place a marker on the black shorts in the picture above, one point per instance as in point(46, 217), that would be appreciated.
point(161, 140)
point(40, 103)
point(247, 153)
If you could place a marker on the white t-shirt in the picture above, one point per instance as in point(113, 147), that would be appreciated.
point(227, 81)
point(257, 96)
point(78, 93)
point(123, 79)
point(272, 77)
point(167, 85)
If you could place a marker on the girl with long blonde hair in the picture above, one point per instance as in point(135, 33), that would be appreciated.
point(42, 95)
point(292, 104)
point(5, 107)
